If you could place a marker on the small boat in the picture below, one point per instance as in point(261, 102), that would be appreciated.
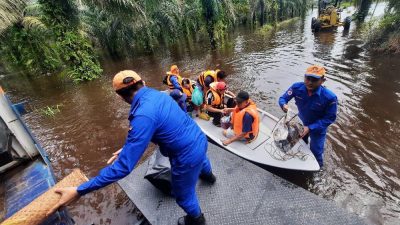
point(25, 169)
point(263, 149)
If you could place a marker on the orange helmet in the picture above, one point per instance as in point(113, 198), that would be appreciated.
point(174, 70)
point(124, 79)
point(315, 71)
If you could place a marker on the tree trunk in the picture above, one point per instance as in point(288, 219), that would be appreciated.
point(208, 11)
point(262, 11)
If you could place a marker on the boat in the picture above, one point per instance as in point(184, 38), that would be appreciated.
point(263, 150)
point(25, 169)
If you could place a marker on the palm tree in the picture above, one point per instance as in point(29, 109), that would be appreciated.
point(11, 11)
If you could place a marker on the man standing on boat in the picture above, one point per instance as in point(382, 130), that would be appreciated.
point(317, 107)
point(154, 116)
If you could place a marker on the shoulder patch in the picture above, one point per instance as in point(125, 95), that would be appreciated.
point(290, 92)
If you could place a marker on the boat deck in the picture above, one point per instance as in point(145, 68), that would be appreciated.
point(243, 194)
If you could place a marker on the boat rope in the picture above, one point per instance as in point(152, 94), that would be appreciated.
point(276, 153)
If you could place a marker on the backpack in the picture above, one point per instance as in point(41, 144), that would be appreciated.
point(165, 80)
point(197, 96)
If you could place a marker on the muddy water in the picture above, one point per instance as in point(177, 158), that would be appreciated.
point(362, 160)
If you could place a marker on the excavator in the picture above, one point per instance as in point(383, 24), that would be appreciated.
point(329, 16)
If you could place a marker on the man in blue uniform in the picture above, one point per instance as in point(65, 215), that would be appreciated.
point(154, 116)
point(317, 108)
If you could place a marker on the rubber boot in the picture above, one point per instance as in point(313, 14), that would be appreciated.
point(189, 220)
point(208, 178)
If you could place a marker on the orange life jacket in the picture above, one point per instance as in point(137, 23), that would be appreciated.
point(189, 91)
point(211, 73)
point(237, 120)
point(218, 101)
point(169, 83)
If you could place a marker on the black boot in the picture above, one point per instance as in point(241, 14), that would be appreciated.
point(189, 220)
point(210, 178)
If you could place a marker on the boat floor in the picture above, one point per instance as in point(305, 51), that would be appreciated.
point(263, 149)
point(243, 194)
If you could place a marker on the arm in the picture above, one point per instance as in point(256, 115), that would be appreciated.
point(175, 82)
point(209, 102)
point(228, 110)
point(285, 98)
point(212, 109)
point(136, 143)
point(230, 93)
point(328, 118)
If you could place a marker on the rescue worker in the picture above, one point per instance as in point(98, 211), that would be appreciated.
point(174, 80)
point(245, 120)
point(155, 117)
point(317, 107)
point(208, 77)
point(215, 101)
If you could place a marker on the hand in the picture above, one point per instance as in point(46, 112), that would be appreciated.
point(231, 94)
point(68, 195)
point(306, 130)
point(226, 111)
point(226, 142)
point(114, 157)
point(285, 108)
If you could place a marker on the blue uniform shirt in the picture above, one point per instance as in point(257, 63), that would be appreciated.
point(175, 83)
point(154, 116)
point(247, 123)
point(317, 111)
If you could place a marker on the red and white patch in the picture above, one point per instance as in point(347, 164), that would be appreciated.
point(289, 92)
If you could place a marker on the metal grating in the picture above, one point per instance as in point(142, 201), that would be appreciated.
point(243, 194)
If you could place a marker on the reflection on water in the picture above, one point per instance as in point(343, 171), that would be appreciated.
point(362, 166)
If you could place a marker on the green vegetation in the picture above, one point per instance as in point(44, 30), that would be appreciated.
point(346, 4)
point(384, 34)
point(45, 38)
point(51, 36)
point(267, 29)
point(50, 111)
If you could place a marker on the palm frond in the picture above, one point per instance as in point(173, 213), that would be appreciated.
point(33, 23)
point(34, 9)
point(11, 11)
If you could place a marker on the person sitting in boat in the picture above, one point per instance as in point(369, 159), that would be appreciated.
point(179, 98)
point(244, 120)
point(188, 87)
point(215, 101)
point(173, 79)
point(317, 108)
point(208, 77)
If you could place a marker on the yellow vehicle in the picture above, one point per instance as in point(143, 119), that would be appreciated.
point(329, 16)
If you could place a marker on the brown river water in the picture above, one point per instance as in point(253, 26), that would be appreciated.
point(362, 150)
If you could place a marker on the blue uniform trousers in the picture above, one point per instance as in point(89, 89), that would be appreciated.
point(317, 145)
point(184, 177)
